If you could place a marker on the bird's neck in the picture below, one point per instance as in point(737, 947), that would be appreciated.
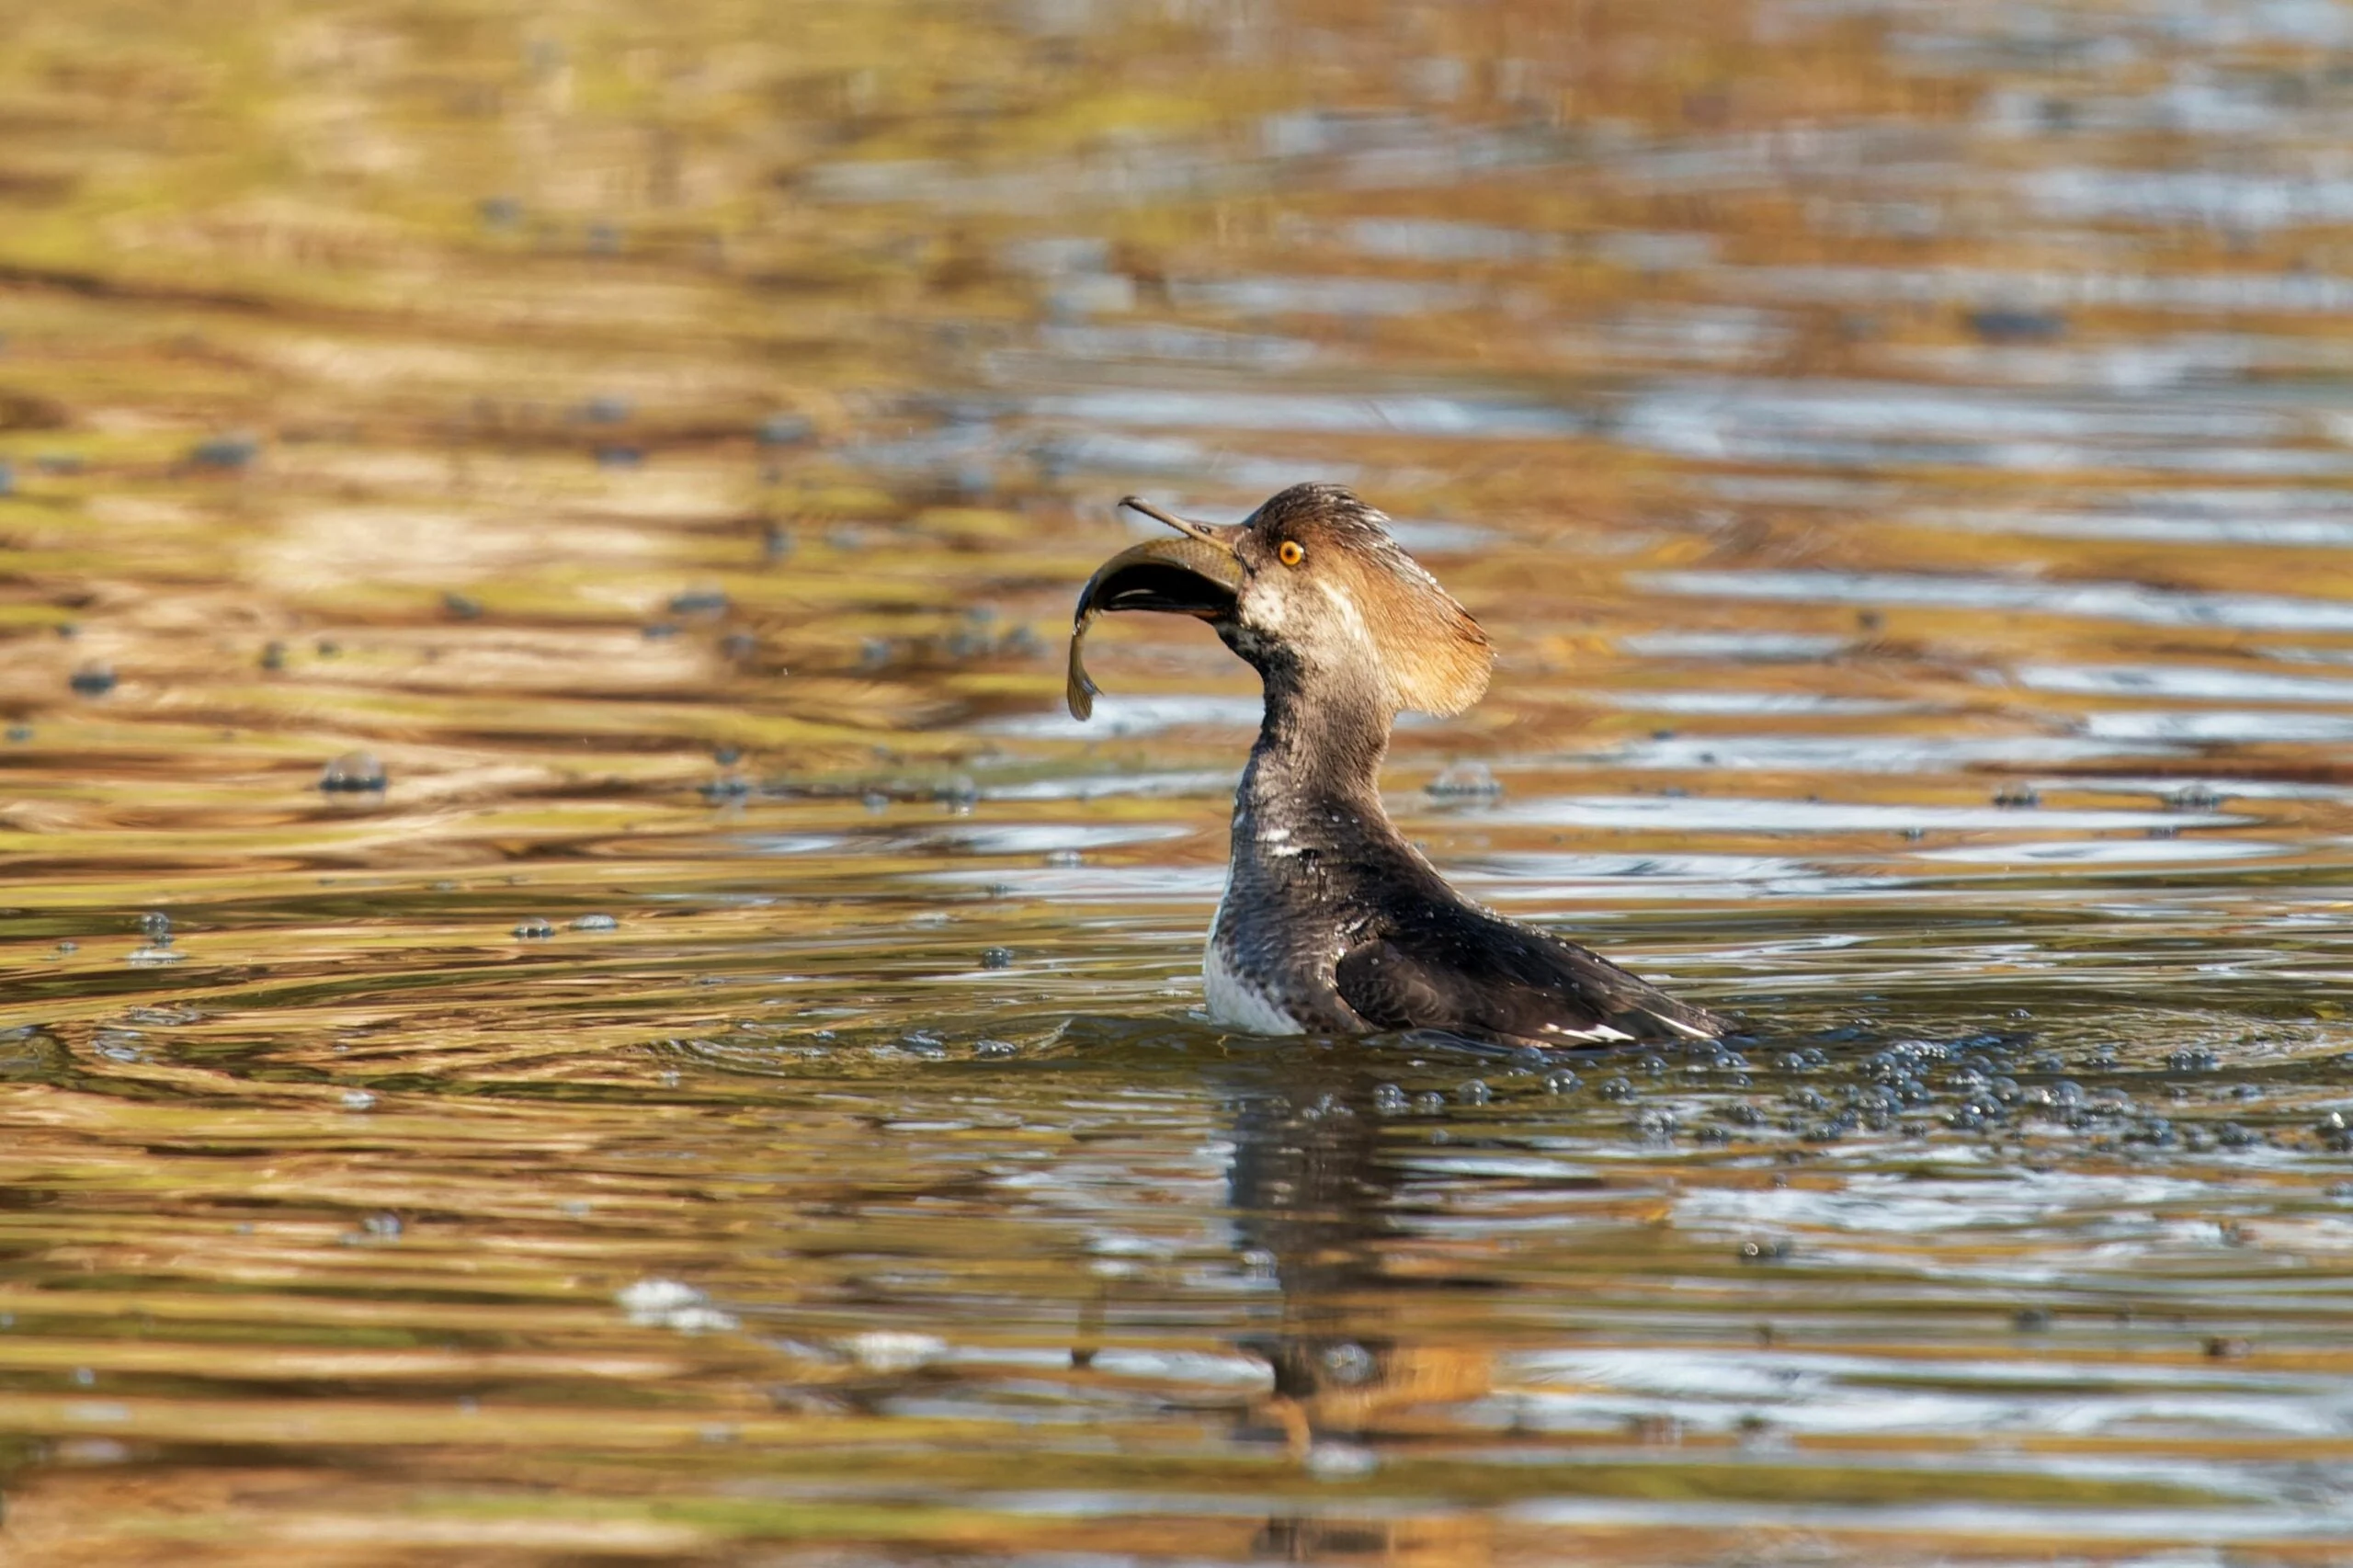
point(1319, 750)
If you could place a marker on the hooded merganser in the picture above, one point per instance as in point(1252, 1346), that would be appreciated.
point(1330, 922)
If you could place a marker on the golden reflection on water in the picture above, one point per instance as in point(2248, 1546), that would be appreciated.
point(731, 1094)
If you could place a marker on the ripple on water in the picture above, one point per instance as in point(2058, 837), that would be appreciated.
point(1365, 412)
point(838, 1168)
point(2094, 600)
point(2196, 682)
point(1720, 813)
point(1125, 716)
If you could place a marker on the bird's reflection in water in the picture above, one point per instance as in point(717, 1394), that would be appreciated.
point(1315, 1199)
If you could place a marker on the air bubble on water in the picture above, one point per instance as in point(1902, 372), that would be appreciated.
point(1561, 1082)
point(995, 1050)
point(353, 773)
point(1473, 1091)
point(1390, 1100)
point(996, 957)
point(534, 929)
point(358, 1099)
point(595, 923)
point(1348, 1364)
point(1655, 1126)
point(1429, 1102)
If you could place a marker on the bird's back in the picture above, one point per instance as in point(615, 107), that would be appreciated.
point(1331, 921)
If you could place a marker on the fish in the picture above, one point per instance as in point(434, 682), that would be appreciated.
point(1078, 688)
point(1197, 575)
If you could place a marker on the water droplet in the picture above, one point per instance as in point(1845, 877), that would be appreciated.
point(699, 601)
point(354, 773)
point(1465, 780)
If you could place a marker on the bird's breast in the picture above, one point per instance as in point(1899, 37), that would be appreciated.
point(1238, 998)
point(1267, 966)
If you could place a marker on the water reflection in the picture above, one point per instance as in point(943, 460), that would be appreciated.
point(1313, 1190)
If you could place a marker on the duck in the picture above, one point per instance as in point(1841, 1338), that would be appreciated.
point(1331, 923)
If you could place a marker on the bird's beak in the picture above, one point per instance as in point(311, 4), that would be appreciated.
point(1198, 576)
point(1220, 534)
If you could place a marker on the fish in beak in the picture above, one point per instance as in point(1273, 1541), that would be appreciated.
point(1198, 576)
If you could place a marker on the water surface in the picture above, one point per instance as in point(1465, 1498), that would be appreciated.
point(736, 1092)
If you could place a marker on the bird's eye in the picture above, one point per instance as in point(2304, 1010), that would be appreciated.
point(1291, 552)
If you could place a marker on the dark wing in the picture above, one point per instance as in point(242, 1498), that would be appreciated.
point(1498, 980)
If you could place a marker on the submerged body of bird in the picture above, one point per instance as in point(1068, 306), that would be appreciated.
point(1330, 922)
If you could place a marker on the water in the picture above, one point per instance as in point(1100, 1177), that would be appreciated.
point(572, 994)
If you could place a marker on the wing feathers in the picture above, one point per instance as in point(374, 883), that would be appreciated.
point(1510, 983)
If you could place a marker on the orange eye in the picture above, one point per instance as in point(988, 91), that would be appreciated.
point(1289, 554)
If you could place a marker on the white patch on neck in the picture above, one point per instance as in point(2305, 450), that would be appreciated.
point(1276, 842)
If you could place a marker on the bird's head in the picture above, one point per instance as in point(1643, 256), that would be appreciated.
point(1310, 587)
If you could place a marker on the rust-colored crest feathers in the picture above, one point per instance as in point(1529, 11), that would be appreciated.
point(1432, 655)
